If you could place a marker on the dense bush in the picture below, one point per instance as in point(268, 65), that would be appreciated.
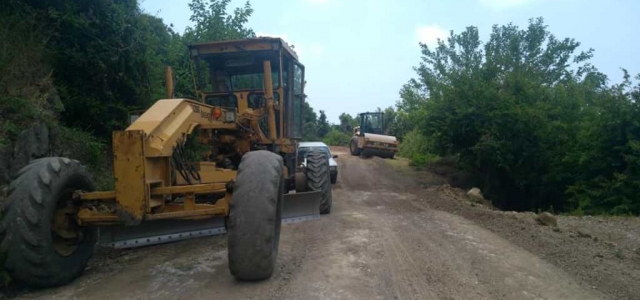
point(414, 146)
point(104, 57)
point(336, 137)
point(530, 116)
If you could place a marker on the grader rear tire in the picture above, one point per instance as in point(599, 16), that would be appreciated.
point(42, 245)
point(255, 216)
point(319, 179)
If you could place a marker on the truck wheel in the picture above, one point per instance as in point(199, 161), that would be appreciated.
point(255, 216)
point(353, 147)
point(42, 244)
point(319, 179)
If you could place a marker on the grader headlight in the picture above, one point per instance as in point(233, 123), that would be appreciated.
point(216, 113)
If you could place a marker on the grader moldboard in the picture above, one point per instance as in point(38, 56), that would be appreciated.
point(248, 115)
point(368, 139)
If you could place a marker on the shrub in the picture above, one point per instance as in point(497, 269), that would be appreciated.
point(530, 117)
point(337, 138)
point(414, 146)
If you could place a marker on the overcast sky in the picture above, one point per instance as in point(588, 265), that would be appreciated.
point(358, 53)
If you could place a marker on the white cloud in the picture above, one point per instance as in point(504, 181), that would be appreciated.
point(502, 4)
point(429, 34)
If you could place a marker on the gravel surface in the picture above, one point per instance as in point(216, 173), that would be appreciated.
point(387, 237)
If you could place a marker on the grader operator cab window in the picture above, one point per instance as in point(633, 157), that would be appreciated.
point(225, 101)
point(228, 73)
point(232, 75)
point(298, 99)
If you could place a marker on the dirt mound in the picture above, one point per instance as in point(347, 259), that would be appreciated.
point(604, 252)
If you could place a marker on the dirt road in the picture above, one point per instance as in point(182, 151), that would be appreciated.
point(381, 241)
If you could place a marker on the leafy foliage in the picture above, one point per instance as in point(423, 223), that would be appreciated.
point(310, 123)
point(336, 137)
point(323, 125)
point(107, 57)
point(415, 147)
point(347, 122)
point(530, 115)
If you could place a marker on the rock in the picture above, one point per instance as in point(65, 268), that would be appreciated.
point(30, 144)
point(475, 195)
point(583, 234)
point(611, 244)
point(546, 219)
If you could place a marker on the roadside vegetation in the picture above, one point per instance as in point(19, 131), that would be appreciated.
point(525, 112)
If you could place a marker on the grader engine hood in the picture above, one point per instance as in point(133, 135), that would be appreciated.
point(380, 138)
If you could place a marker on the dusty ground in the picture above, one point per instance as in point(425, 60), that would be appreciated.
point(601, 252)
point(387, 237)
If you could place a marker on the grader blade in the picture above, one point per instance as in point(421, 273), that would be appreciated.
point(300, 207)
point(160, 231)
point(297, 207)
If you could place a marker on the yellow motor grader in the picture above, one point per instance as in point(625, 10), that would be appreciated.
point(368, 139)
point(243, 178)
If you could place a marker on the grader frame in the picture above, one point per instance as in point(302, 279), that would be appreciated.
point(248, 116)
point(142, 152)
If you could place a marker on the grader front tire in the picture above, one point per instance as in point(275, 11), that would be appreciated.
point(255, 216)
point(41, 243)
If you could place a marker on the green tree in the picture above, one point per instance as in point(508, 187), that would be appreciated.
point(323, 125)
point(310, 123)
point(336, 137)
point(347, 122)
point(212, 22)
point(525, 111)
point(391, 125)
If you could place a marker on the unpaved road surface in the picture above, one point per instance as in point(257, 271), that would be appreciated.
point(383, 240)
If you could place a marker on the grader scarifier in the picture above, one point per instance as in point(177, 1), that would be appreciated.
point(247, 119)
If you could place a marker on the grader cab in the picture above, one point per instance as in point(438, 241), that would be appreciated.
point(222, 163)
